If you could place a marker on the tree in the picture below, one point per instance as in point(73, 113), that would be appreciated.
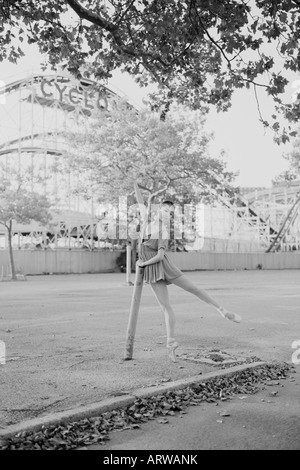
point(197, 51)
point(168, 158)
point(21, 206)
point(292, 174)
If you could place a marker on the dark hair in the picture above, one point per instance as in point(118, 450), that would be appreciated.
point(168, 202)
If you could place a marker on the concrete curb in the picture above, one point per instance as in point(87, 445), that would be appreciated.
point(109, 404)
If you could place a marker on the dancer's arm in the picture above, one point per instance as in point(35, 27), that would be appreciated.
point(158, 257)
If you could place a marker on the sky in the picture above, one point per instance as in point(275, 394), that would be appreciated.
point(250, 149)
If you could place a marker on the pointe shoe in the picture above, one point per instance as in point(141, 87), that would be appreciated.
point(171, 347)
point(229, 315)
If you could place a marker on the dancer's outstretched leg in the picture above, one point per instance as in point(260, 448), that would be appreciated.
point(185, 283)
point(161, 293)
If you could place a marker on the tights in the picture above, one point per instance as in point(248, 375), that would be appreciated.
point(161, 292)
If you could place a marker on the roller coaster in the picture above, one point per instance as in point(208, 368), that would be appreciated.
point(39, 107)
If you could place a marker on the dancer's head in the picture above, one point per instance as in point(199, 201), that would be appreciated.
point(162, 212)
point(167, 206)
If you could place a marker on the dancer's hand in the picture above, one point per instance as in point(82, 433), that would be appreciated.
point(140, 263)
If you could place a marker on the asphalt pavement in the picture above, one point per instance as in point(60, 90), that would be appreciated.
point(64, 338)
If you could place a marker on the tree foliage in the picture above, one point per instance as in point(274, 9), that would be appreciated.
point(168, 158)
point(292, 174)
point(23, 206)
point(20, 205)
point(197, 51)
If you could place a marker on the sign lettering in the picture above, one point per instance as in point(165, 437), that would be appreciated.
point(68, 94)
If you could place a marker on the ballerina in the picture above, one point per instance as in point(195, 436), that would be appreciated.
point(160, 271)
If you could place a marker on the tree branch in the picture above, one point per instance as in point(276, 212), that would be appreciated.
point(4, 223)
point(258, 106)
point(159, 191)
point(124, 13)
point(212, 40)
point(113, 30)
point(90, 16)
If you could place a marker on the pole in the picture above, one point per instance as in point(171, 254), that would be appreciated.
point(134, 311)
point(138, 285)
point(128, 265)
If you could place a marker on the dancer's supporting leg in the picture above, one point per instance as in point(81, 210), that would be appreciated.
point(161, 293)
point(185, 283)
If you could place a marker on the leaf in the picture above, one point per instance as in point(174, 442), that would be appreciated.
point(167, 406)
point(163, 421)
point(284, 138)
point(224, 413)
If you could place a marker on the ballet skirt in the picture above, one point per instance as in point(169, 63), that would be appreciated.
point(165, 269)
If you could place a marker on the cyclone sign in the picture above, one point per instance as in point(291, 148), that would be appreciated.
point(88, 98)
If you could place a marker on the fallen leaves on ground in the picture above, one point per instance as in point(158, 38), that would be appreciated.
point(96, 429)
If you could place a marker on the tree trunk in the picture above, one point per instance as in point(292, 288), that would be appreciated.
point(10, 250)
point(133, 254)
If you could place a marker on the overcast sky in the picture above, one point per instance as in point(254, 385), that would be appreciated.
point(250, 149)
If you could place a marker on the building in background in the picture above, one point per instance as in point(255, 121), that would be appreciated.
point(37, 110)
